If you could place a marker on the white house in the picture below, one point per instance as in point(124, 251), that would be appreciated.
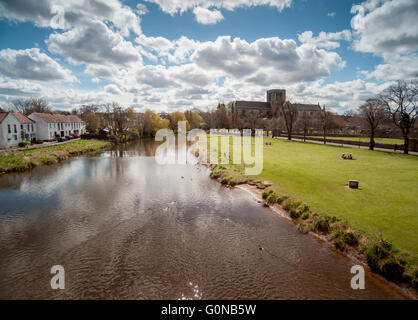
point(15, 128)
point(50, 126)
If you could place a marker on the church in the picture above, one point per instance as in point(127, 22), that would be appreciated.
point(270, 108)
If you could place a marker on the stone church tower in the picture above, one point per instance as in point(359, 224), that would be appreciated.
point(276, 98)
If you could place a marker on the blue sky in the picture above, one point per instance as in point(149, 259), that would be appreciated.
point(170, 54)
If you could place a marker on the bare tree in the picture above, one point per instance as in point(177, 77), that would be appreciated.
point(290, 113)
point(400, 100)
point(373, 113)
point(31, 105)
point(325, 115)
point(305, 123)
point(119, 117)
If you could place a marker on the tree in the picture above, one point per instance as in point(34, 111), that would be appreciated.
point(290, 113)
point(88, 114)
point(325, 116)
point(119, 117)
point(194, 119)
point(153, 123)
point(305, 123)
point(31, 105)
point(373, 113)
point(221, 118)
point(400, 100)
point(174, 119)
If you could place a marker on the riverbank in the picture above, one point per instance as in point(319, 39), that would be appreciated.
point(18, 161)
point(376, 223)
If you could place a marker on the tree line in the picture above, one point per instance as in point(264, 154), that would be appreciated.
point(395, 107)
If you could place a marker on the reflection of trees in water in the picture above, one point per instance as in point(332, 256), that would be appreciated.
point(11, 181)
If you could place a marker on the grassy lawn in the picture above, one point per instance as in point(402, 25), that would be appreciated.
point(387, 203)
point(365, 139)
point(23, 160)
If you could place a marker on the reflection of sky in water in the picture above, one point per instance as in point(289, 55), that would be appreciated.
point(126, 227)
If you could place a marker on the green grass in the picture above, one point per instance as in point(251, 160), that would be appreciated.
point(386, 205)
point(364, 139)
point(23, 160)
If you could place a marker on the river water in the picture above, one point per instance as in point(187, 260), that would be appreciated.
point(124, 227)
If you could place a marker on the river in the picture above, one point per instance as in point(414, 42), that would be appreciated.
point(124, 227)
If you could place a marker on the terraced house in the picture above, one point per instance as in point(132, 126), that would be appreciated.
point(50, 126)
point(15, 128)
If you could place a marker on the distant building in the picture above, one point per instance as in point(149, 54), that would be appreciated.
point(15, 128)
point(271, 108)
point(49, 126)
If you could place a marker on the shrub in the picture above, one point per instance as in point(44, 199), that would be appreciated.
point(294, 214)
point(381, 259)
point(321, 224)
point(301, 209)
point(272, 198)
point(350, 239)
point(281, 199)
point(303, 228)
point(305, 215)
point(266, 193)
point(339, 244)
point(414, 281)
point(288, 203)
point(216, 173)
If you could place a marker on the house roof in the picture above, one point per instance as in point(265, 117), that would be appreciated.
point(2, 116)
point(56, 118)
point(252, 104)
point(308, 107)
point(22, 118)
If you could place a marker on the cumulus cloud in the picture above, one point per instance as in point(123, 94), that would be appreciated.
point(95, 43)
point(266, 61)
point(59, 14)
point(399, 67)
point(386, 26)
point(206, 16)
point(113, 89)
point(324, 40)
point(388, 29)
point(32, 64)
point(179, 6)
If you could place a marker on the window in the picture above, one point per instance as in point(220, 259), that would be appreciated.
point(8, 128)
point(31, 126)
point(15, 128)
point(14, 136)
point(21, 127)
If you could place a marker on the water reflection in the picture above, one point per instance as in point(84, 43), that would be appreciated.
point(124, 227)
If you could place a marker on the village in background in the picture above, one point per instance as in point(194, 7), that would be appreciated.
point(33, 120)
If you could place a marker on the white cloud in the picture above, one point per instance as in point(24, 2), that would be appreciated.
point(179, 6)
point(266, 61)
point(386, 26)
point(388, 29)
point(113, 89)
point(206, 16)
point(324, 40)
point(95, 43)
point(31, 64)
point(59, 14)
point(399, 67)
point(331, 14)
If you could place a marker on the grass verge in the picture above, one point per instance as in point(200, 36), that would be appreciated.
point(27, 159)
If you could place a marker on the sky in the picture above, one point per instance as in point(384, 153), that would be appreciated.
point(170, 55)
